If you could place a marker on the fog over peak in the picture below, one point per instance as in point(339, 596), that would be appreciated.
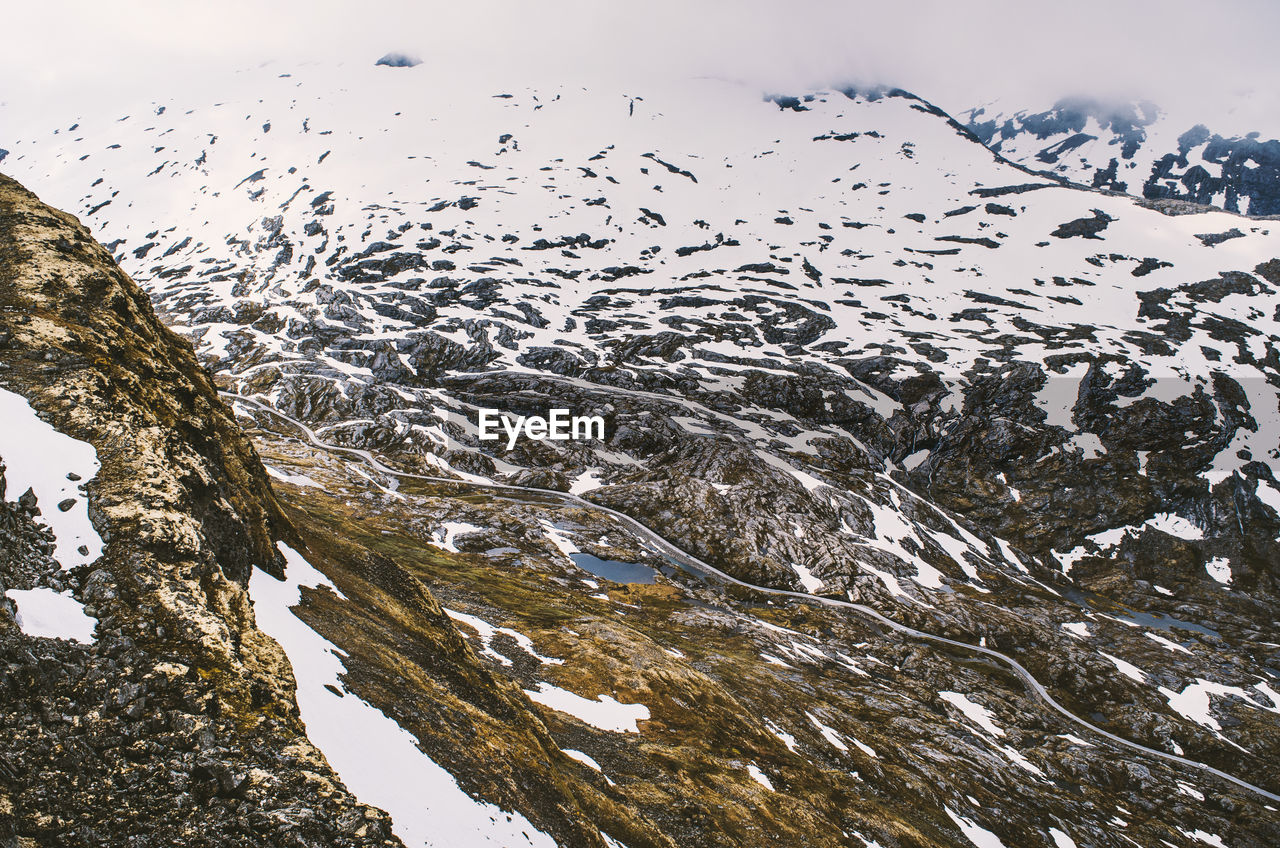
point(1200, 63)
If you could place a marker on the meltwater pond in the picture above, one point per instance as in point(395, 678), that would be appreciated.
point(618, 572)
point(1162, 621)
point(1165, 622)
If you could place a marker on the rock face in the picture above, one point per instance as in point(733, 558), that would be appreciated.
point(175, 722)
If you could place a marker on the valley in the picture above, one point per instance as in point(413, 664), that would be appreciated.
point(933, 499)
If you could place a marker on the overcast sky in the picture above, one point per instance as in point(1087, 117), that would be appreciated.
point(1211, 61)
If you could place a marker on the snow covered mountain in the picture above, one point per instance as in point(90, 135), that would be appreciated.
point(1137, 149)
point(842, 350)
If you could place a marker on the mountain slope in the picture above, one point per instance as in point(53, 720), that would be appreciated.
point(925, 287)
point(139, 723)
point(840, 347)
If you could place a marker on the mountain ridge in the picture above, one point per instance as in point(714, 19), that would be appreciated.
point(169, 617)
point(1133, 148)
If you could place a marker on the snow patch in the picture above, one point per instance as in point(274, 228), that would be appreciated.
point(487, 631)
point(294, 479)
point(1176, 525)
point(604, 712)
point(1268, 494)
point(1075, 740)
point(760, 777)
point(586, 759)
point(787, 738)
point(1127, 669)
point(1088, 444)
point(38, 457)
point(811, 584)
point(1061, 840)
point(913, 461)
point(45, 613)
point(1077, 628)
point(979, 836)
point(810, 482)
point(1167, 644)
point(1219, 569)
point(448, 532)
point(585, 482)
point(1017, 758)
point(1204, 836)
point(379, 761)
point(828, 733)
point(1058, 396)
point(560, 540)
point(1193, 701)
point(975, 712)
point(1188, 789)
point(864, 748)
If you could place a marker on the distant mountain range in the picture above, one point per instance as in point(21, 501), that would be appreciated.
point(1137, 149)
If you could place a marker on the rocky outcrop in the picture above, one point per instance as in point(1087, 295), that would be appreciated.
point(177, 724)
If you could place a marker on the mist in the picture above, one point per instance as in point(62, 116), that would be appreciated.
point(1211, 63)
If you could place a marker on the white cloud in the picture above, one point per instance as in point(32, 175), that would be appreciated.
point(1211, 62)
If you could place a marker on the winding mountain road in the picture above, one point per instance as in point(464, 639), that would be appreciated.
point(694, 565)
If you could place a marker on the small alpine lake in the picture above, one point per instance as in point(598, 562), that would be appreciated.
point(618, 572)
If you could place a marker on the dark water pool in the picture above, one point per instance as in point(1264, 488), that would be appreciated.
point(1146, 619)
point(618, 572)
point(1165, 622)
